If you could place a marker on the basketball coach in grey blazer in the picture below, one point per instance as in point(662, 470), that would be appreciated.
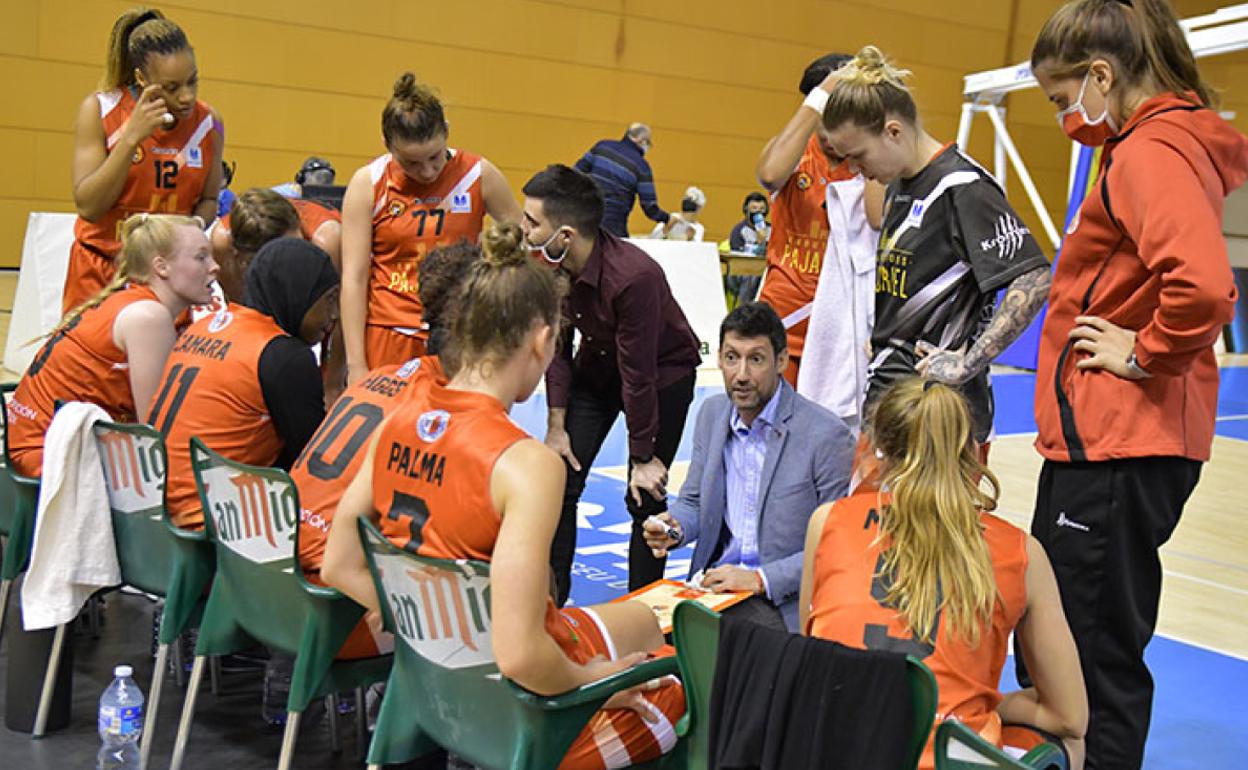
point(763, 459)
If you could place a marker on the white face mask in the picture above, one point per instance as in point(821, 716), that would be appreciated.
point(1075, 122)
point(544, 249)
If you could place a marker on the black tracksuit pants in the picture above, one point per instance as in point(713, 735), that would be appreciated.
point(1101, 524)
point(591, 413)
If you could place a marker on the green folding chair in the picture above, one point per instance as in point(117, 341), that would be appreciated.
point(259, 594)
point(695, 631)
point(156, 556)
point(19, 497)
point(958, 747)
point(445, 688)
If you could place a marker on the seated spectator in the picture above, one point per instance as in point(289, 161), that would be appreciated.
point(922, 567)
point(750, 235)
point(244, 379)
point(110, 350)
point(333, 457)
point(763, 459)
point(495, 498)
point(688, 228)
point(314, 171)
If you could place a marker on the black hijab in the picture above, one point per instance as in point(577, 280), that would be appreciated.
point(286, 278)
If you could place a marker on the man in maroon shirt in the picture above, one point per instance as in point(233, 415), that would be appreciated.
point(636, 354)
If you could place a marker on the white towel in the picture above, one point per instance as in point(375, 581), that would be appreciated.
point(73, 554)
point(834, 359)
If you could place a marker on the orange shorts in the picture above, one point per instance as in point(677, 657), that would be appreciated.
point(384, 346)
point(87, 275)
point(617, 737)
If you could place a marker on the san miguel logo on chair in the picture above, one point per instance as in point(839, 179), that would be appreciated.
point(444, 615)
point(253, 516)
point(134, 472)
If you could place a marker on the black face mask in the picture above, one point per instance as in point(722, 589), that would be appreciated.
point(688, 206)
point(286, 278)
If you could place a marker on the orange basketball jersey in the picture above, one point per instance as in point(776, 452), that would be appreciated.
point(211, 389)
point(333, 455)
point(799, 237)
point(78, 363)
point(410, 220)
point(167, 172)
point(431, 479)
point(846, 607)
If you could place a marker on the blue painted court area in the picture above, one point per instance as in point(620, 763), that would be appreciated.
point(1200, 714)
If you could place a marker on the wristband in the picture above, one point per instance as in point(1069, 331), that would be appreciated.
point(817, 100)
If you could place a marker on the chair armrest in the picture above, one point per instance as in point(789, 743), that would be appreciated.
point(600, 690)
point(1046, 756)
point(326, 593)
point(193, 535)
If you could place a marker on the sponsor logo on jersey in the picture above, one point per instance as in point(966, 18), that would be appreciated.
point(138, 155)
point(396, 208)
point(194, 157)
point(408, 369)
point(461, 203)
point(164, 151)
point(220, 320)
point(917, 209)
point(1008, 238)
point(803, 180)
point(432, 200)
point(431, 425)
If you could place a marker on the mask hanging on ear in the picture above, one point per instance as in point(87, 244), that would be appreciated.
point(543, 250)
point(1078, 126)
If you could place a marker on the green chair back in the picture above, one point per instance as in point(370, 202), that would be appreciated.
point(259, 593)
point(155, 555)
point(958, 747)
point(19, 498)
point(695, 630)
point(445, 687)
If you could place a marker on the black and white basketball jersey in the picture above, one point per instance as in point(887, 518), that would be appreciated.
point(949, 242)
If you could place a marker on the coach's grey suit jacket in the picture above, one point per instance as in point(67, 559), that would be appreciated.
point(808, 463)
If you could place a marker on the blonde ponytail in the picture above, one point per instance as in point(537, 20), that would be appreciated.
point(869, 89)
point(936, 562)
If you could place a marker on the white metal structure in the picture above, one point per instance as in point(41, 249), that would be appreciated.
point(1224, 31)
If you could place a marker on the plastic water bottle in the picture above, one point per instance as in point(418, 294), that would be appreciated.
point(120, 722)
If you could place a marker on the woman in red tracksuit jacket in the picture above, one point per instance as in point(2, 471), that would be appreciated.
point(1127, 383)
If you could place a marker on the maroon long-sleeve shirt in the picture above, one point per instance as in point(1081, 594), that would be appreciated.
point(633, 336)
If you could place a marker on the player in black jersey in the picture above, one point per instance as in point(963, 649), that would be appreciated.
point(949, 242)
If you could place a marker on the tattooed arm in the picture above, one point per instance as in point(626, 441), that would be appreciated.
point(1023, 300)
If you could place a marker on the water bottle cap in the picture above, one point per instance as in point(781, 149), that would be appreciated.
point(122, 671)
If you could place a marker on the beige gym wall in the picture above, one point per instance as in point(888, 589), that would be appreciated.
point(525, 82)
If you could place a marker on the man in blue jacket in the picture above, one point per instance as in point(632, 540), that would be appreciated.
point(619, 168)
point(763, 459)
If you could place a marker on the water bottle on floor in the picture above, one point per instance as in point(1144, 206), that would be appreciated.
point(120, 723)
